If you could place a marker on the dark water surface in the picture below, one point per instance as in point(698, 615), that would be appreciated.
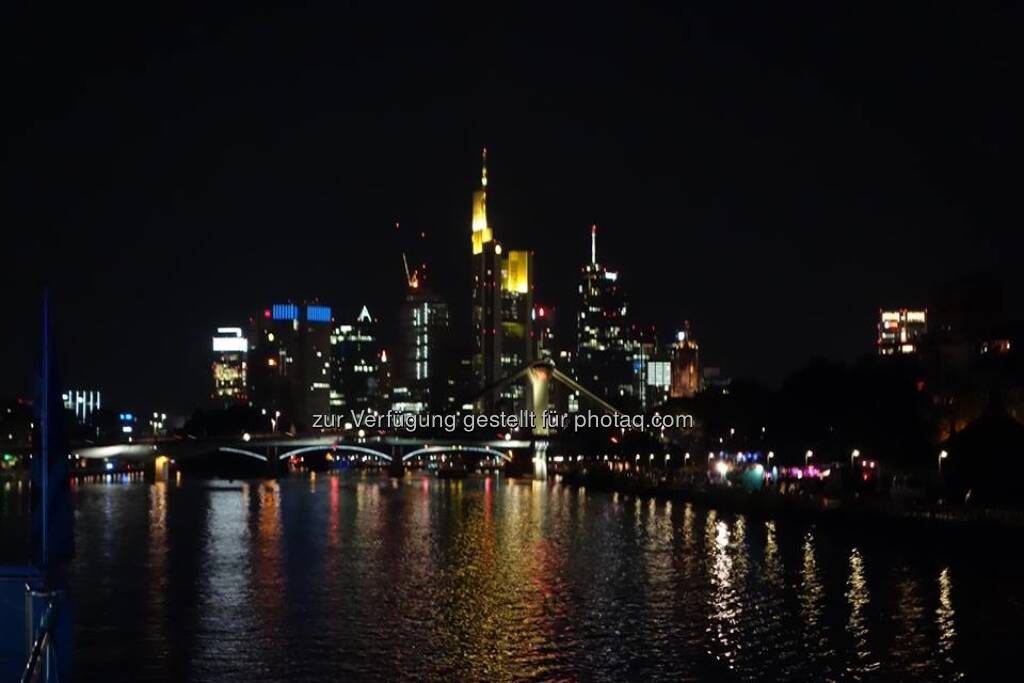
point(351, 577)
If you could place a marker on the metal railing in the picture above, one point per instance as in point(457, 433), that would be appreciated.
point(40, 646)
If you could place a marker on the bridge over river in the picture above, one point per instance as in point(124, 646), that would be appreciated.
point(273, 454)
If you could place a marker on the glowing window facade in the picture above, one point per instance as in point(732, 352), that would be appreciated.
point(900, 331)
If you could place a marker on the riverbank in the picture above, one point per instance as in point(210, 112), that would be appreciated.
point(769, 503)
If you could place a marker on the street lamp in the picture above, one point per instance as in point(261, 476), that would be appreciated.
point(807, 457)
point(771, 454)
point(853, 456)
point(942, 456)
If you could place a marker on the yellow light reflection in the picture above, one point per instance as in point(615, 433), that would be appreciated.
point(944, 615)
point(812, 594)
point(724, 601)
point(857, 598)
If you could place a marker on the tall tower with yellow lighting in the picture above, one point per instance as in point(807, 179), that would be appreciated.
point(502, 307)
point(482, 232)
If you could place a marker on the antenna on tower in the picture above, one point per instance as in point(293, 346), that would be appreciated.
point(593, 244)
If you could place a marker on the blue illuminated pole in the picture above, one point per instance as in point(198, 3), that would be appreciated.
point(52, 528)
point(44, 427)
point(53, 532)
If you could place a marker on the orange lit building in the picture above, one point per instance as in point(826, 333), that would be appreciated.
point(686, 373)
point(900, 331)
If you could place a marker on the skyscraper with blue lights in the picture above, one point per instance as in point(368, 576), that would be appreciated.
point(291, 366)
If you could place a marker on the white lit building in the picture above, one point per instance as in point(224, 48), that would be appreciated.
point(658, 381)
point(82, 402)
point(426, 367)
point(230, 366)
point(356, 364)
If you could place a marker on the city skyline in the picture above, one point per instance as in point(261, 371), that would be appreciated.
point(392, 317)
point(779, 248)
point(612, 341)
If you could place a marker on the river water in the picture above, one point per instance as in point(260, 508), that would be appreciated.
point(359, 577)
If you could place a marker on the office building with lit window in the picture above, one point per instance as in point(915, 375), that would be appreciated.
point(356, 365)
point(642, 349)
point(230, 367)
point(544, 319)
point(659, 381)
point(901, 331)
point(604, 357)
point(426, 377)
point(291, 362)
point(486, 312)
point(517, 341)
point(502, 314)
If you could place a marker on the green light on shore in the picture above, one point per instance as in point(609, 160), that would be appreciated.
point(8, 457)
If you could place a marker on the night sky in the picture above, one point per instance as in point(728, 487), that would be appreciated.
point(773, 175)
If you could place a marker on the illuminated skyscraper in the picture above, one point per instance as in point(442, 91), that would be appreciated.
point(481, 231)
point(427, 371)
point(486, 301)
point(356, 365)
point(230, 366)
point(603, 361)
point(899, 331)
point(517, 342)
point(502, 307)
point(642, 349)
point(544, 328)
point(686, 371)
point(292, 362)
point(659, 381)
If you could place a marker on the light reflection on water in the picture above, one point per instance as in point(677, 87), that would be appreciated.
point(858, 598)
point(328, 577)
point(226, 584)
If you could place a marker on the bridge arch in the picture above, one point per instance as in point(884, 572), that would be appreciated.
point(335, 447)
point(456, 449)
point(241, 451)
